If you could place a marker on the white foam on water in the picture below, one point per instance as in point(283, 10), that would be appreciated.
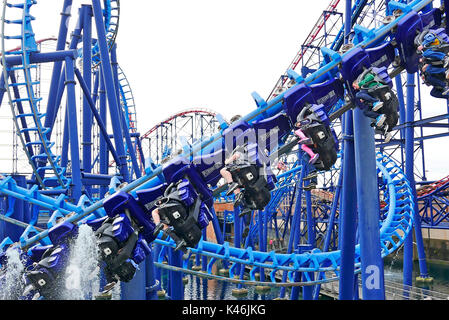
point(11, 283)
point(82, 280)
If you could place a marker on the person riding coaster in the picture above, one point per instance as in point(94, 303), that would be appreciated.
point(317, 138)
point(433, 47)
point(434, 41)
point(249, 180)
point(377, 101)
point(181, 214)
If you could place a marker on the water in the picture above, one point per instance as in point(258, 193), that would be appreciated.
point(11, 284)
point(438, 270)
point(198, 288)
point(210, 289)
point(82, 279)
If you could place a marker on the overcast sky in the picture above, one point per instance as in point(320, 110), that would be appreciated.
point(212, 54)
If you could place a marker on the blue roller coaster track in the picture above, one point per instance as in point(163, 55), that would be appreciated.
point(371, 205)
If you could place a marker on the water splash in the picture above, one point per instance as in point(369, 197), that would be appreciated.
point(82, 280)
point(11, 280)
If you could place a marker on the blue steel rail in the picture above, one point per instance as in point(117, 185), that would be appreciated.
point(394, 228)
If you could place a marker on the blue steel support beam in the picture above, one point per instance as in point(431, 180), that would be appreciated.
point(87, 145)
point(348, 213)
point(409, 171)
point(368, 209)
point(348, 202)
point(307, 291)
point(421, 143)
point(296, 194)
point(237, 232)
point(46, 57)
point(175, 277)
point(409, 154)
point(295, 230)
point(58, 77)
point(260, 217)
point(73, 129)
point(56, 73)
point(400, 94)
point(136, 288)
point(151, 281)
point(129, 143)
point(330, 227)
point(110, 89)
point(65, 141)
point(310, 218)
point(97, 116)
point(103, 156)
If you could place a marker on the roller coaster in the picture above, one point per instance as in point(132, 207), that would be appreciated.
point(334, 220)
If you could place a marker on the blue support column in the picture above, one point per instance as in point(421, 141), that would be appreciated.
point(260, 215)
point(86, 11)
point(73, 129)
point(237, 233)
point(295, 231)
point(295, 221)
point(175, 277)
point(368, 209)
point(204, 258)
point(348, 203)
point(110, 89)
point(103, 153)
point(65, 142)
point(401, 100)
point(409, 172)
point(96, 115)
point(348, 18)
point(409, 153)
point(330, 227)
point(16, 209)
point(157, 271)
point(348, 213)
point(307, 291)
point(56, 73)
point(136, 288)
point(310, 218)
point(129, 143)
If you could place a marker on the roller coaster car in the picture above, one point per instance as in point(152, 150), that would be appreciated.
point(390, 103)
point(121, 248)
point(44, 275)
point(255, 194)
point(426, 39)
point(182, 209)
point(43, 278)
point(324, 140)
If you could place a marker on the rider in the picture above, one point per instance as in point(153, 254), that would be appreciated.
point(434, 62)
point(305, 141)
point(316, 137)
point(371, 105)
